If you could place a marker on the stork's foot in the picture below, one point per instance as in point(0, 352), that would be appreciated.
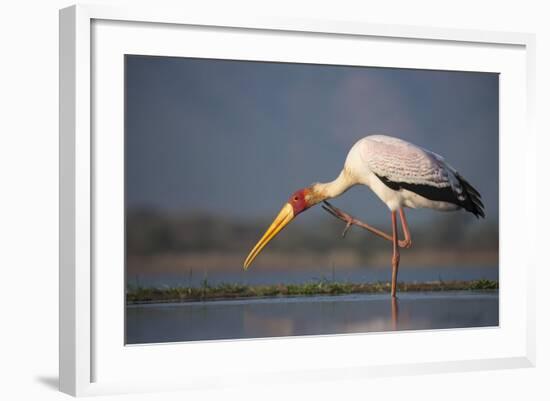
point(339, 214)
point(352, 221)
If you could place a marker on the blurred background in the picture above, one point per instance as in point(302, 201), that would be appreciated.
point(215, 147)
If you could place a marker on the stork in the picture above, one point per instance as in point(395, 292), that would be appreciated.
point(401, 174)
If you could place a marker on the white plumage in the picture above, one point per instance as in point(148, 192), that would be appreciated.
point(401, 161)
point(405, 175)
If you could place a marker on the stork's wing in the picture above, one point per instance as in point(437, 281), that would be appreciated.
point(402, 165)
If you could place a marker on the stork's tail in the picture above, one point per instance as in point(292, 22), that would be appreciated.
point(472, 203)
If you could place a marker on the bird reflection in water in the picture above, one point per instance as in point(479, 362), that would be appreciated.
point(394, 312)
point(321, 317)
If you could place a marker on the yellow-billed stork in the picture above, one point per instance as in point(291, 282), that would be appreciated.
point(400, 174)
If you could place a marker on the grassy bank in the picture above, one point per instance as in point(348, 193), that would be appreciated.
point(135, 295)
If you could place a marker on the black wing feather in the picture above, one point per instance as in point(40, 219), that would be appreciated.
point(471, 202)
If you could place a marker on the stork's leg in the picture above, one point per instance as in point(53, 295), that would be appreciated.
point(352, 221)
point(394, 238)
point(395, 257)
point(407, 242)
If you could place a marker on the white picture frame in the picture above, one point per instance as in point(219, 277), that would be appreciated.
point(82, 344)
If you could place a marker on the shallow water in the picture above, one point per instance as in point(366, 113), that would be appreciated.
point(275, 317)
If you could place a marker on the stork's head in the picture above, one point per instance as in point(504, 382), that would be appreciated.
point(299, 201)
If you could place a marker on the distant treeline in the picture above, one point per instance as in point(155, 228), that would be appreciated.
point(150, 232)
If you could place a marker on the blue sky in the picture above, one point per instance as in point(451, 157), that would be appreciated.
point(237, 137)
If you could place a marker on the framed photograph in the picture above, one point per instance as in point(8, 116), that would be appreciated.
point(280, 200)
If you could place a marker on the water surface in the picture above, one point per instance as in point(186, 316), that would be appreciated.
point(275, 317)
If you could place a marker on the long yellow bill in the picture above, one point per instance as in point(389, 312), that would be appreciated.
point(284, 217)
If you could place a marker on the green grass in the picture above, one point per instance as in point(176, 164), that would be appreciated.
point(139, 294)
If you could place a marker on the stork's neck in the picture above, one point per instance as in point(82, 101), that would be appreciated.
point(321, 191)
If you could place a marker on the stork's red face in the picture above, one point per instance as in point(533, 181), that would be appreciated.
point(298, 201)
point(296, 204)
